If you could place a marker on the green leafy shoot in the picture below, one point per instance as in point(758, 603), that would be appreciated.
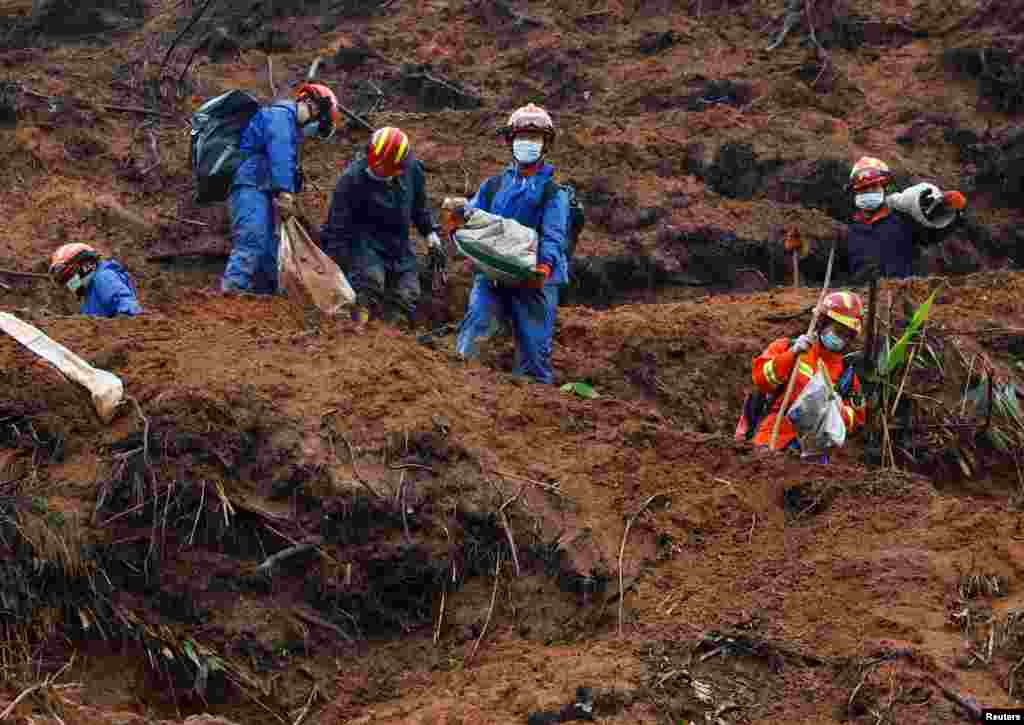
point(898, 355)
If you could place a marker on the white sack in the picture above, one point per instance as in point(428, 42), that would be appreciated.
point(908, 201)
point(106, 388)
point(503, 249)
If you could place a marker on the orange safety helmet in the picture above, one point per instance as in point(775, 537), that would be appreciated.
point(72, 264)
point(868, 172)
point(386, 151)
point(846, 308)
point(326, 104)
point(529, 118)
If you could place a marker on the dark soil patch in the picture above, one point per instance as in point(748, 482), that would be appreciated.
point(998, 72)
point(432, 92)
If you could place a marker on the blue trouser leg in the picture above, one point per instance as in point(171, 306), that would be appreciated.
point(533, 322)
point(252, 266)
point(480, 313)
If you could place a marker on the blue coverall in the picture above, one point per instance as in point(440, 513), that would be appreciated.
point(368, 224)
point(891, 240)
point(273, 140)
point(110, 292)
point(530, 311)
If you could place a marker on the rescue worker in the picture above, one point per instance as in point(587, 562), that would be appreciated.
point(103, 285)
point(268, 180)
point(839, 323)
point(518, 193)
point(376, 199)
point(884, 240)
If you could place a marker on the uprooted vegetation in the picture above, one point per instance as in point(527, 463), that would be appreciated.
point(300, 524)
point(209, 500)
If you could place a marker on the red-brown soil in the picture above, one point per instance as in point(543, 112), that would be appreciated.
point(758, 589)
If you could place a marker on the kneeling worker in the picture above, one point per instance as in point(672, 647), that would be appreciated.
point(839, 323)
point(103, 285)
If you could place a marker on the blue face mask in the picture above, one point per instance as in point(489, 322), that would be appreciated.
point(870, 200)
point(527, 152)
point(832, 341)
point(311, 129)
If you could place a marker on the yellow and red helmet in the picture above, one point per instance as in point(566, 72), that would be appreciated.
point(326, 104)
point(846, 308)
point(73, 259)
point(387, 149)
point(530, 117)
point(869, 172)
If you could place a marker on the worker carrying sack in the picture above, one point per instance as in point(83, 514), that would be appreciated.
point(503, 249)
point(215, 155)
point(308, 276)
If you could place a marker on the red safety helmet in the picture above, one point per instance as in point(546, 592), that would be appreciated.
point(846, 308)
point(529, 118)
point(72, 264)
point(386, 150)
point(326, 104)
point(869, 172)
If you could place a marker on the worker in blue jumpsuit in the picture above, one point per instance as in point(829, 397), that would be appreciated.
point(268, 180)
point(103, 285)
point(519, 193)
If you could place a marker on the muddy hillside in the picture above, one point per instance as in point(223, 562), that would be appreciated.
point(288, 522)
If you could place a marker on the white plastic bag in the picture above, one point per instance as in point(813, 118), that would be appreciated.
point(817, 416)
point(503, 249)
point(106, 388)
point(307, 275)
point(908, 201)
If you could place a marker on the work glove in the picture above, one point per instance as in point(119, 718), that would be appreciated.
point(803, 343)
point(792, 242)
point(285, 203)
point(545, 271)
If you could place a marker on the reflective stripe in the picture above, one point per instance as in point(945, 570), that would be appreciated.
point(769, 373)
point(806, 369)
point(852, 322)
point(848, 411)
point(402, 149)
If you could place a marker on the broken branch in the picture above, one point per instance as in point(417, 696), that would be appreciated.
point(490, 610)
point(23, 275)
point(622, 548)
point(355, 470)
point(508, 532)
point(313, 619)
point(195, 17)
point(288, 553)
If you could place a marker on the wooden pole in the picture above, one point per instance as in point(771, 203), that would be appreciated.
point(796, 366)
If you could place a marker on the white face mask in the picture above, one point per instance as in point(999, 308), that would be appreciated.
point(527, 152)
point(869, 200)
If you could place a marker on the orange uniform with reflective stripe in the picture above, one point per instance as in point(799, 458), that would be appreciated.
point(771, 370)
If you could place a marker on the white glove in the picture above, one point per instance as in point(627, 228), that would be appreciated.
point(433, 240)
point(803, 343)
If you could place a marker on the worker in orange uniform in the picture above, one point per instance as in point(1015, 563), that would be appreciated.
point(839, 323)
